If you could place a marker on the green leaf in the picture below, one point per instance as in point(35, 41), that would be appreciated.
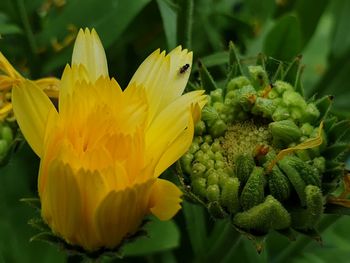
point(335, 82)
point(284, 41)
point(309, 15)
point(169, 17)
point(162, 235)
point(340, 43)
point(196, 227)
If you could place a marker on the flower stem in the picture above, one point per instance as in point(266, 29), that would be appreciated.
point(24, 17)
point(303, 241)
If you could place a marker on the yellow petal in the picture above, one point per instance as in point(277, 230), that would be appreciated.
point(31, 107)
point(61, 202)
point(122, 212)
point(88, 51)
point(177, 148)
point(161, 77)
point(170, 123)
point(165, 199)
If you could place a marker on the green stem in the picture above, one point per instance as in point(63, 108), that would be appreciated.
point(303, 241)
point(185, 17)
point(24, 17)
point(227, 241)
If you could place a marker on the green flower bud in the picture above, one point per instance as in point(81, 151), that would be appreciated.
point(186, 162)
point(246, 97)
point(199, 128)
point(244, 165)
point(284, 132)
point(208, 139)
point(253, 191)
point(278, 184)
point(229, 194)
point(220, 164)
point(268, 215)
point(281, 113)
point(199, 186)
point(309, 217)
point(218, 129)
point(314, 204)
point(280, 87)
point(263, 106)
point(308, 173)
point(216, 96)
point(216, 147)
point(198, 170)
point(295, 179)
point(293, 98)
point(218, 156)
point(259, 76)
point(303, 155)
point(210, 115)
point(198, 140)
point(296, 113)
point(213, 193)
point(219, 107)
point(273, 94)
point(205, 147)
point(237, 83)
point(213, 178)
point(306, 129)
point(209, 163)
point(194, 148)
point(311, 113)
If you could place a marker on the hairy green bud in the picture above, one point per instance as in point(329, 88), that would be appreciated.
point(295, 179)
point(244, 165)
point(284, 132)
point(237, 83)
point(229, 194)
point(213, 193)
point(268, 215)
point(278, 184)
point(253, 191)
point(265, 107)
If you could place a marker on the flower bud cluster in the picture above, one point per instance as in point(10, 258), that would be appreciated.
point(234, 165)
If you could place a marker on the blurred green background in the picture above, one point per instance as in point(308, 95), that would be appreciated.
point(37, 38)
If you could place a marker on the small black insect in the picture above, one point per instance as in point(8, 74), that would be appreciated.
point(184, 68)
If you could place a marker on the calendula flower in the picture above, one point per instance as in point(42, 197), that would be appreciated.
point(104, 149)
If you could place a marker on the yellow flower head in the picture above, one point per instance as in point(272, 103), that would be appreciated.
point(103, 150)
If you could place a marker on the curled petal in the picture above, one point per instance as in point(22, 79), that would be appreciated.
point(165, 199)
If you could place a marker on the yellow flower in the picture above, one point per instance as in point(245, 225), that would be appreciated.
point(10, 77)
point(103, 151)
